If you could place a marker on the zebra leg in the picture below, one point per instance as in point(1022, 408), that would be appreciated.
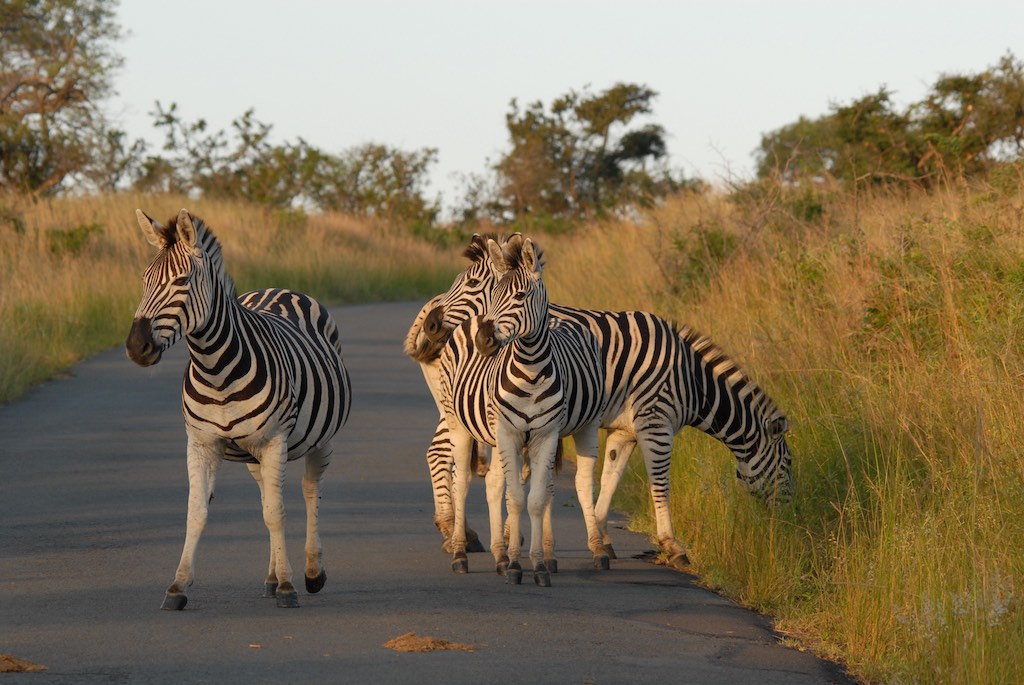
point(586, 457)
point(270, 584)
point(656, 446)
point(316, 462)
point(617, 451)
point(515, 502)
point(439, 465)
point(542, 490)
point(204, 457)
point(272, 469)
point(495, 481)
point(462, 446)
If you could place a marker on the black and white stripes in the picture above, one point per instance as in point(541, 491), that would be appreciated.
point(265, 384)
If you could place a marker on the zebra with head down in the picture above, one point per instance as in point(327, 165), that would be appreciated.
point(265, 384)
point(658, 379)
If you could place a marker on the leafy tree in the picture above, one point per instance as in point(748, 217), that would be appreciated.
point(56, 65)
point(375, 180)
point(966, 124)
point(370, 180)
point(579, 157)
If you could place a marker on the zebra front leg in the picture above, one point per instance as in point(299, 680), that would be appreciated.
point(270, 584)
point(617, 451)
point(515, 502)
point(542, 490)
point(316, 463)
point(204, 457)
point(462, 446)
point(586, 458)
point(495, 482)
point(272, 469)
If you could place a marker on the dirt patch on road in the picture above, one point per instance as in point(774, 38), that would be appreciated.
point(411, 642)
point(12, 664)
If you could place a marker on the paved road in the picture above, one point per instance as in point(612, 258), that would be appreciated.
point(92, 509)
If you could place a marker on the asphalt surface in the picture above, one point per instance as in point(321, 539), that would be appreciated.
point(92, 518)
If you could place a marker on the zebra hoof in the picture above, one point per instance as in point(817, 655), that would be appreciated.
point(514, 575)
point(679, 562)
point(501, 567)
point(552, 565)
point(270, 590)
point(610, 551)
point(601, 562)
point(460, 564)
point(542, 578)
point(174, 601)
point(288, 600)
point(315, 585)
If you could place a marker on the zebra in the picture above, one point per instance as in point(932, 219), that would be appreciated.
point(265, 384)
point(512, 381)
point(658, 379)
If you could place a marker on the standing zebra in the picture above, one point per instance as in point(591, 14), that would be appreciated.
point(510, 380)
point(265, 384)
point(657, 380)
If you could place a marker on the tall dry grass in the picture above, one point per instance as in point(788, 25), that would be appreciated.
point(71, 269)
point(890, 327)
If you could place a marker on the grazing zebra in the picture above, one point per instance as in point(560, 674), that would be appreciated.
point(657, 380)
point(265, 384)
point(512, 381)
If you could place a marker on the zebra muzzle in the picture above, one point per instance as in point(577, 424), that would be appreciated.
point(433, 326)
point(140, 346)
point(486, 343)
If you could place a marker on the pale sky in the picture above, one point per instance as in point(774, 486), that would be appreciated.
point(414, 74)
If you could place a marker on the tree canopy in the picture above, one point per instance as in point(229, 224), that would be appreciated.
point(581, 156)
point(967, 124)
point(57, 62)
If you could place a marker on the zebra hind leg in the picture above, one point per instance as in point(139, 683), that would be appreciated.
point(316, 463)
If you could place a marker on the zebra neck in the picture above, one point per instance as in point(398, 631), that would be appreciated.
point(223, 338)
point(726, 406)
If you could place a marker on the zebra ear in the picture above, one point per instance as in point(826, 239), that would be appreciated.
point(497, 256)
point(530, 259)
point(151, 229)
point(778, 426)
point(186, 229)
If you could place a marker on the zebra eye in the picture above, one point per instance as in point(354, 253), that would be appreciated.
point(473, 282)
point(519, 296)
point(180, 281)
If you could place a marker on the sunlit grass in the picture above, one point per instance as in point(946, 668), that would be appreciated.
point(889, 329)
point(72, 269)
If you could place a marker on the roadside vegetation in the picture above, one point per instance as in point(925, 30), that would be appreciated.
point(72, 269)
point(890, 328)
point(870, 278)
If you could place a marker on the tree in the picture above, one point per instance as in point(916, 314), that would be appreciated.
point(966, 125)
point(56, 65)
point(579, 157)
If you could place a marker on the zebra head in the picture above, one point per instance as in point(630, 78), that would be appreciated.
point(766, 468)
point(468, 296)
point(519, 302)
point(177, 286)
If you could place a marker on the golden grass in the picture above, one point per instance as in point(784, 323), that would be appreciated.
point(72, 269)
point(889, 328)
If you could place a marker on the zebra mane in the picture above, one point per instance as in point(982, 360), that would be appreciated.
point(724, 366)
point(513, 249)
point(207, 241)
point(477, 249)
